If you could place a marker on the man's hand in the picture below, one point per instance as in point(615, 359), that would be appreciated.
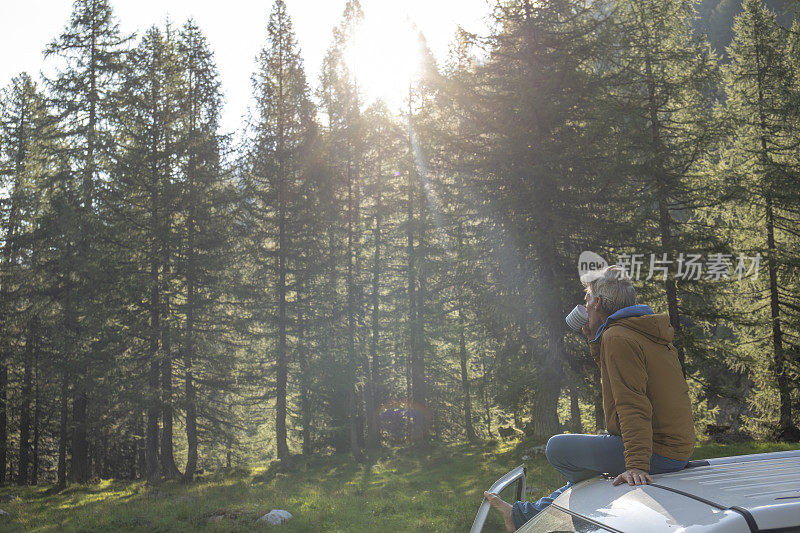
point(634, 476)
point(588, 332)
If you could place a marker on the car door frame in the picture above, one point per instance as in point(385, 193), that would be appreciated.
point(517, 475)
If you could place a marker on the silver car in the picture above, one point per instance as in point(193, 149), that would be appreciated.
point(738, 494)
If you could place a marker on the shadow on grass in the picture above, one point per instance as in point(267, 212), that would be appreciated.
point(425, 488)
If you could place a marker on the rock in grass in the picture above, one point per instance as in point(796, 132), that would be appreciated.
point(8, 498)
point(3, 513)
point(216, 518)
point(276, 517)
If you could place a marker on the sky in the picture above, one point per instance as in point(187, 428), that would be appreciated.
point(236, 30)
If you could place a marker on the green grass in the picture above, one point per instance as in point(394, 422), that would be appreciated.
point(424, 489)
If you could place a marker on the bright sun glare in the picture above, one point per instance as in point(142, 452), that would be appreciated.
point(384, 56)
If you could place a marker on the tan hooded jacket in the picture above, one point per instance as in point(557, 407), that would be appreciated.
point(645, 397)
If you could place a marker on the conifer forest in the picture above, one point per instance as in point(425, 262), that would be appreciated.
point(338, 277)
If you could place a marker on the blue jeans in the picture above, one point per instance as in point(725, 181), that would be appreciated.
point(580, 457)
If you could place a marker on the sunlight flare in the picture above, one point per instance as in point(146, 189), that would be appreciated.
point(384, 56)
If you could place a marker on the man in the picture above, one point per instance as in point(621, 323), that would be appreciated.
point(645, 398)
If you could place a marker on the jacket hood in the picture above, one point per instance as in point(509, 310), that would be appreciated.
point(631, 310)
point(655, 327)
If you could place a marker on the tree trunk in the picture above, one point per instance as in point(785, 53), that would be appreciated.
point(141, 446)
point(151, 449)
point(549, 378)
point(462, 344)
point(80, 444)
point(168, 468)
point(416, 358)
point(786, 428)
point(302, 355)
point(418, 380)
point(9, 259)
point(153, 407)
point(191, 282)
point(3, 420)
point(664, 218)
point(352, 403)
point(371, 366)
point(375, 373)
point(191, 409)
point(63, 430)
point(131, 456)
point(191, 429)
point(545, 406)
point(486, 403)
point(37, 416)
point(545, 281)
point(25, 408)
point(281, 363)
point(465, 386)
point(339, 399)
point(574, 411)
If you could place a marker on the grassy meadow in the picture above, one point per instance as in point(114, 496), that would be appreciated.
point(430, 488)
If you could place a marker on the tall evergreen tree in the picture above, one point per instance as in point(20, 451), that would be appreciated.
point(92, 47)
point(282, 131)
point(144, 192)
point(340, 102)
point(761, 155)
point(534, 169)
point(205, 204)
point(381, 187)
point(26, 131)
point(659, 99)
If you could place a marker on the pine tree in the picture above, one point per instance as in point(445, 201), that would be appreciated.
point(762, 163)
point(91, 45)
point(383, 141)
point(463, 214)
point(534, 169)
point(26, 129)
point(205, 204)
point(659, 99)
point(145, 193)
point(282, 131)
point(340, 102)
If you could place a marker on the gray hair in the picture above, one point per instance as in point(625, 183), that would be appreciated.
point(613, 285)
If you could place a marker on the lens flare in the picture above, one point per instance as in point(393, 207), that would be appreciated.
point(404, 421)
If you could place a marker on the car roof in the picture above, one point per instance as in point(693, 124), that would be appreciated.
point(640, 508)
point(767, 486)
point(732, 494)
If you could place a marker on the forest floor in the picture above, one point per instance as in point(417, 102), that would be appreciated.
point(433, 488)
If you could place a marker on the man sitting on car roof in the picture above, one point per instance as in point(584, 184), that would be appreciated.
point(645, 397)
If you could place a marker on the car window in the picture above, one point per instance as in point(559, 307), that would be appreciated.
point(554, 520)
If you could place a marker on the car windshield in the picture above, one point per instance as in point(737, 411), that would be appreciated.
point(554, 520)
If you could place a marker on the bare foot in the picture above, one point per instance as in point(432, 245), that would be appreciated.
point(503, 507)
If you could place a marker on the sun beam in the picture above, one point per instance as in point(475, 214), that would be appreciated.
point(384, 56)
